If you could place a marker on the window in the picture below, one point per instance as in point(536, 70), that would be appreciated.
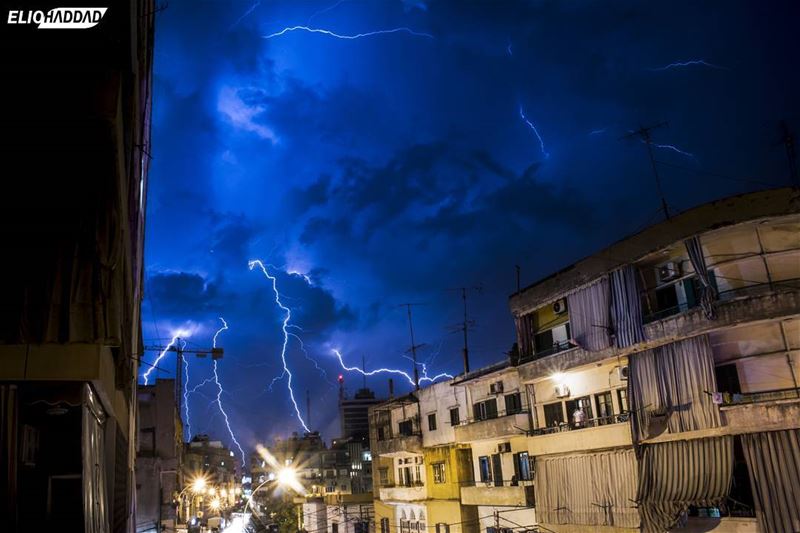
point(455, 418)
point(335, 528)
point(405, 526)
point(513, 404)
point(438, 473)
point(406, 428)
point(384, 525)
point(381, 433)
point(383, 476)
point(497, 469)
point(442, 528)
point(485, 469)
point(361, 527)
point(605, 409)
point(579, 404)
point(522, 466)
point(622, 398)
point(728, 379)
point(432, 422)
point(486, 409)
point(553, 414)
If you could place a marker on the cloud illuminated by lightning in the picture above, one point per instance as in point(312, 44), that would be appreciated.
point(176, 335)
point(219, 391)
point(285, 328)
point(348, 37)
point(389, 371)
point(535, 131)
point(690, 63)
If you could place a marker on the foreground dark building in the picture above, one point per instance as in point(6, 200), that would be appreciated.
point(75, 148)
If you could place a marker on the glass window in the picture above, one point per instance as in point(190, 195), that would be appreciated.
point(406, 428)
point(553, 414)
point(605, 409)
point(439, 473)
point(455, 418)
point(384, 525)
point(622, 397)
point(442, 528)
point(383, 476)
point(513, 404)
point(522, 466)
point(579, 411)
point(486, 409)
point(432, 422)
point(485, 469)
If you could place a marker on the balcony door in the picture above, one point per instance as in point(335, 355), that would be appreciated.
point(497, 470)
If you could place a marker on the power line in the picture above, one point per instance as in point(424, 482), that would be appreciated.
point(644, 134)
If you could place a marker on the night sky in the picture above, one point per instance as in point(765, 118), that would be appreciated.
point(374, 171)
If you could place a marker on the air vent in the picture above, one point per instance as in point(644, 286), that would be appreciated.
point(561, 391)
point(667, 272)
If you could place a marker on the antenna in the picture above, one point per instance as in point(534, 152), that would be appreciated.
point(308, 407)
point(364, 370)
point(787, 140)
point(465, 325)
point(644, 134)
point(414, 346)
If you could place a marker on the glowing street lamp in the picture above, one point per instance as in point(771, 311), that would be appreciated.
point(215, 504)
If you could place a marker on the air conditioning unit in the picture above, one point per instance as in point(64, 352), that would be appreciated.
point(496, 388)
point(622, 373)
point(504, 447)
point(560, 306)
point(561, 391)
point(667, 272)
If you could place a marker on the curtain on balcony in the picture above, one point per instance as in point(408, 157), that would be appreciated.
point(596, 489)
point(698, 259)
point(626, 307)
point(676, 475)
point(589, 318)
point(773, 461)
point(94, 465)
point(670, 388)
point(524, 325)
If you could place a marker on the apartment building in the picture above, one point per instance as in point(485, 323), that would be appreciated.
point(418, 467)
point(662, 375)
point(75, 168)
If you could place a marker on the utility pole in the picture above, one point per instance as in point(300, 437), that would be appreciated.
point(788, 142)
point(644, 134)
point(414, 346)
point(466, 323)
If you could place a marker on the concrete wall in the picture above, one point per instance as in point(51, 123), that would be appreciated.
point(489, 448)
point(510, 517)
point(438, 399)
point(463, 518)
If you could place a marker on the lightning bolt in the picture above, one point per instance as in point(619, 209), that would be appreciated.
point(347, 37)
point(673, 148)
point(389, 371)
point(598, 132)
point(510, 49)
point(177, 334)
point(325, 10)
point(535, 131)
point(308, 357)
point(186, 399)
point(246, 13)
point(285, 328)
point(219, 391)
point(693, 62)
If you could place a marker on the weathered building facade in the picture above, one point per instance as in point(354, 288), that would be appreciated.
point(654, 387)
point(75, 159)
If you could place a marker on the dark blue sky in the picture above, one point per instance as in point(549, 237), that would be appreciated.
point(388, 168)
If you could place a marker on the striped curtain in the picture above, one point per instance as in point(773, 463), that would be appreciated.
point(670, 388)
point(698, 259)
point(676, 475)
point(524, 326)
point(596, 489)
point(589, 318)
point(773, 461)
point(626, 306)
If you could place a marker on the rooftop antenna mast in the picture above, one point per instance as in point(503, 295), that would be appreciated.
point(364, 370)
point(466, 323)
point(414, 345)
point(788, 141)
point(644, 134)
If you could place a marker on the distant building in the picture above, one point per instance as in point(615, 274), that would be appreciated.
point(212, 460)
point(354, 412)
point(159, 475)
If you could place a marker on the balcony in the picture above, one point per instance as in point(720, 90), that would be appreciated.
point(733, 308)
point(761, 411)
point(505, 493)
point(503, 425)
point(405, 493)
point(399, 446)
point(596, 434)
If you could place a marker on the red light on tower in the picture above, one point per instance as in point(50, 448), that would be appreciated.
point(341, 378)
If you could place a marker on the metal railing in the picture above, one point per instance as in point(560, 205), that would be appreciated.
point(411, 485)
point(591, 423)
point(498, 483)
point(729, 399)
point(500, 414)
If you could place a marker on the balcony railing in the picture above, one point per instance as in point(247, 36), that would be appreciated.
point(500, 414)
point(729, 399)
point(591, 423)
point(516, 493)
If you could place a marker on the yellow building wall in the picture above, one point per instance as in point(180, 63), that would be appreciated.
point(463, 518)
point(382, 511)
